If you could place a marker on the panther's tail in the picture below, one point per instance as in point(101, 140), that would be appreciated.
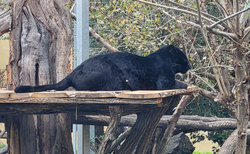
point(62, 85)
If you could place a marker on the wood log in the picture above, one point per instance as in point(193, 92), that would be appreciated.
point(142, 131)
point(186, 123)
point(110, 134)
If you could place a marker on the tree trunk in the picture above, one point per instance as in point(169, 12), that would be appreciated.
point(242, 101)
point(40, 46)
point(228, 146)
point(143, 130)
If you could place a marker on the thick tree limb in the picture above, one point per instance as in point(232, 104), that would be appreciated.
point(222, 33)
point(5, 22)
point(3, 134)
point(246, 33)
point(229, 145)
point(146, 123)
point(101, 40)
point(185, 123)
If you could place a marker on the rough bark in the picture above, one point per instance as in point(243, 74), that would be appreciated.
point(144, 128)
point(241, 96)
point(40, 45)
point(5, 22)
point(173, 120)
point(229, 145)
point(111, 132)
point(185, 123)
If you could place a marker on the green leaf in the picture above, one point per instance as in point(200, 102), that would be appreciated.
point(191, 59)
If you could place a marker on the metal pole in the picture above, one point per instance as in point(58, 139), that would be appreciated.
point(81, 54)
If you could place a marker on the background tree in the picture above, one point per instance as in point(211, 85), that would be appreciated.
point(214, 34)
point(40, 46)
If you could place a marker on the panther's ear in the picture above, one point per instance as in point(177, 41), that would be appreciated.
point(172, 50)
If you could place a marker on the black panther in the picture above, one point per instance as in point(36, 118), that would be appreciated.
point(124, 71)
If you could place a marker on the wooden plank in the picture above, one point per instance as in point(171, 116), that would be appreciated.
point(49, 95)
point(140, 94)
point(149, 94)
point(4, 95)
point(85, 101)
point(93, 94)
point(20, 95)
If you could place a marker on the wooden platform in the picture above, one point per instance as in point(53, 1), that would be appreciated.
point(84, 102)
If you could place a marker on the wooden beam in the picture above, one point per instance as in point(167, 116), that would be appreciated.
point(84, 102)
point(140, 94)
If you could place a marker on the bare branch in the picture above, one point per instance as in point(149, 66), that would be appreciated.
point(231, 16)
point(95, 35)
point(179, 21)
point(101, 40)
point(72, 8)
point(236, 9)
point(3, 134)
point(176, 9)
point(5, 19)
point(173, 121)
point(246, 33)
point(214, 90)
point(190, 9)
point(212, 95)
point(199, 12)
point(120, 138)
point(231, 36)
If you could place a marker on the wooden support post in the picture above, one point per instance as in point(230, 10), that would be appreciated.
point(144, 128)
point(173, 121)
point(110, 134)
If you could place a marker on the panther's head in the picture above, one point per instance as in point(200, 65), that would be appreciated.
point(178, 59)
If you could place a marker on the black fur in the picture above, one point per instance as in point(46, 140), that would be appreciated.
point(124, 71)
